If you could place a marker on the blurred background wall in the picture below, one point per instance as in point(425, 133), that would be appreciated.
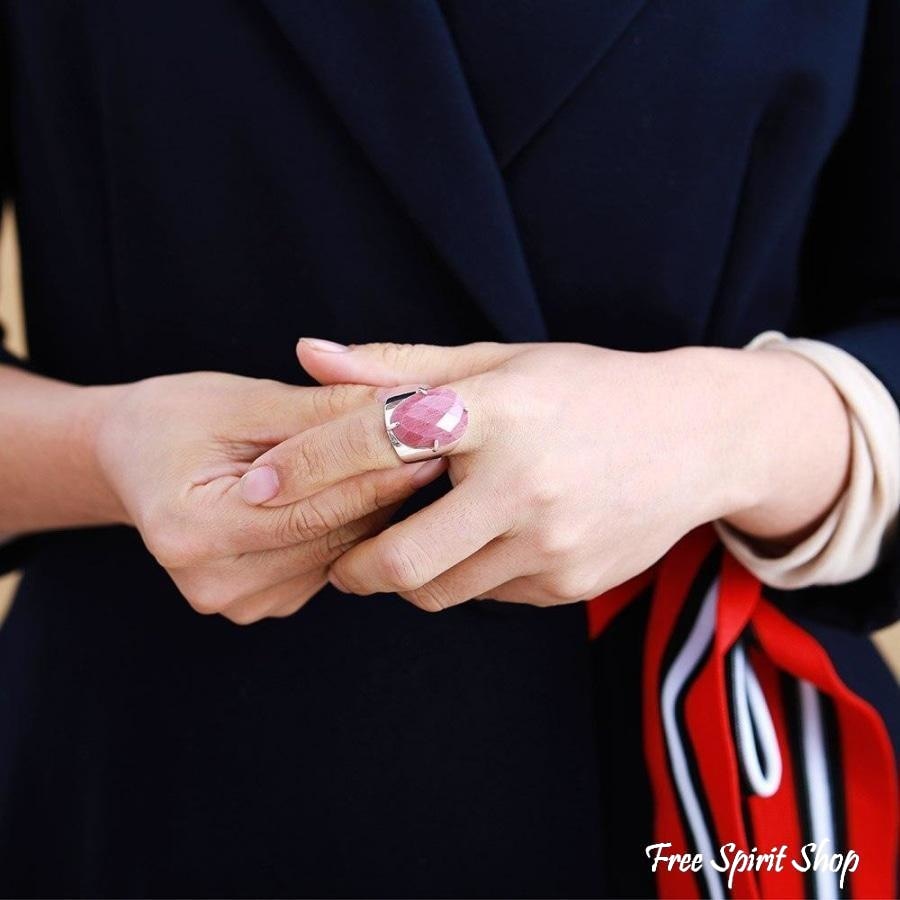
point(11, 317)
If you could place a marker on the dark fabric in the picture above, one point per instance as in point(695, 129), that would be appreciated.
point(197, 184)
point(851, 251)
point(361, 749)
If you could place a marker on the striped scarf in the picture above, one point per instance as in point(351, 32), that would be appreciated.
point(751, 739)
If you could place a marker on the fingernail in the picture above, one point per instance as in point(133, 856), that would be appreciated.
point(427, 471)
point(323, 345)
point(259, 485)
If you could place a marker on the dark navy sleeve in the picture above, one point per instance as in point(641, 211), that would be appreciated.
point(851, 279)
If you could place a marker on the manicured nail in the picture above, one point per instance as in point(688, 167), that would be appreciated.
point(259, 485)
point(427, 472)
point(323, 345)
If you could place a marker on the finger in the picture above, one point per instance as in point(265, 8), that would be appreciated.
point(494, 564)
point(213, 587)
point(339, 449)
point(389, 364)
point(278, 600)
point(275, 565)
point(331, 508)
point(555, 590)
point(271, 412)
point(425, 545)
point(222, 525)
point(518, 590)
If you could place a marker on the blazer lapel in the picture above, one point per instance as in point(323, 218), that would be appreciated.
point(391, 72)
point(523, 60)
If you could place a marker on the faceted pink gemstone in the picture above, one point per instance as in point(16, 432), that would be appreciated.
point(422, 419)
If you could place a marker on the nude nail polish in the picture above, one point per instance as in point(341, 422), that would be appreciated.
point(320, 344)
point(259, 485)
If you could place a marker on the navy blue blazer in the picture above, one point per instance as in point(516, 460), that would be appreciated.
point(197, 184)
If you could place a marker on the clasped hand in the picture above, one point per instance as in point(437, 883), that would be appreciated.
point(572, 476)
point(580, 467)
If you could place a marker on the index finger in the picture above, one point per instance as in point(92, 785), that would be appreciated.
point(275, 411)
point(326, 454)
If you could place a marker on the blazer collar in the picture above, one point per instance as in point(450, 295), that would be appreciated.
point(524, 58)
point(392, 73)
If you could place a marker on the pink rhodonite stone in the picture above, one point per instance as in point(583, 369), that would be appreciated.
point(422, 419)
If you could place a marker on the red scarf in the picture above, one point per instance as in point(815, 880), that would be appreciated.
point(751, 737)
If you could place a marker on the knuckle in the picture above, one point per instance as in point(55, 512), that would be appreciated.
point(334, 400)
point(408, 356)
point(400, 563)
point(346, 582)
point(539, 486)
point(363, 441)
point(304, 521)
point(361, 496)
point(301, 596)
point(376, 490)
point(307, 463)
point(571, 587)
point(207, 597)
point(174, 547)
point(432, 597)
point(284, 612)
point(393, 353)
point(330, 546)
point(554, 542)
point(242, 616)
point(163, 549)
point(304, 594)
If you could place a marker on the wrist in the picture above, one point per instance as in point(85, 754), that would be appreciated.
point(51, 474)
point(92, 414)
point(783, 439)
point(719, 423)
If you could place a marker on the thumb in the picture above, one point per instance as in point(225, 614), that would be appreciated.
point(391, 364)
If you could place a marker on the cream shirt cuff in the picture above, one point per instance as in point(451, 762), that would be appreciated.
point(848, 543)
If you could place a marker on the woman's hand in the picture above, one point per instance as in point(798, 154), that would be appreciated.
point(173, 449)
point(580, 466)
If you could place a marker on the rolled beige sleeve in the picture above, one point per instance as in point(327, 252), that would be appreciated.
point(848, 543)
